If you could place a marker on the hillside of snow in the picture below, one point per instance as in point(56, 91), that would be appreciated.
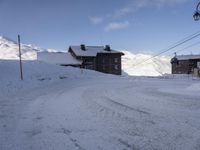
point(131, 65)
point(155, 67)
point(9, 49)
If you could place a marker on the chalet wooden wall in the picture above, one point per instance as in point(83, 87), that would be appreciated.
point(184, 66)
point(109, 63)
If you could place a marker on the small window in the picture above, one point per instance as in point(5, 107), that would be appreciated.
point(116, 60)
point(104, 67)
point(103, 60)
point(198, 65)
point(116, 67)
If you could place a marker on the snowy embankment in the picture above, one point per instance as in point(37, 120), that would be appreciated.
point(35, 74)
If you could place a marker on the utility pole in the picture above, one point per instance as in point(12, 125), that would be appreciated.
point(20, 58)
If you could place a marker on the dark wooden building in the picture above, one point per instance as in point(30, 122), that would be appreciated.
point(99, 58)
point(185, 64)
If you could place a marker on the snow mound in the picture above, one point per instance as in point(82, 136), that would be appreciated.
point(155, 67)
point(37, 73)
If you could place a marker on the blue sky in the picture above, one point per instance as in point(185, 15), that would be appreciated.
point(134, 25)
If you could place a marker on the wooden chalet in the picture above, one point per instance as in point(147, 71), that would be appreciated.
point(185, 64)
point(99, 58)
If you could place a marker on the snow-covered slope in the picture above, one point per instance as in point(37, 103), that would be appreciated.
point(156, 67)
point(9, 50)
point(131, 64)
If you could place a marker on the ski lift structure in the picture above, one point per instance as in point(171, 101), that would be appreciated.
point(174, 60)
point(196, 15)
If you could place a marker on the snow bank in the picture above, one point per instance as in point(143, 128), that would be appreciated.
point(35, 74)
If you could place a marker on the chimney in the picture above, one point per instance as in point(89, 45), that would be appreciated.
point(83, 47)
point(107, 48)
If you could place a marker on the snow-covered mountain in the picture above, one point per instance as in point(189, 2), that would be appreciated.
point(154, 67)
point(131, 64)
point(9, 50)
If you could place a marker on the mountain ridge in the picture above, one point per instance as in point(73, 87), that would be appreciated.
point(134, 65)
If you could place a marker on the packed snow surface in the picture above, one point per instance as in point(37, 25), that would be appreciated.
point(58, 108)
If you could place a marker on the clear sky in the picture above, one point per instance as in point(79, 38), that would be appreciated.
point(134, 25)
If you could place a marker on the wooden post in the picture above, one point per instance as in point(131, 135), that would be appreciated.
point(20, 58)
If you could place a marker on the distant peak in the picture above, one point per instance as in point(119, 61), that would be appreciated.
point(4, 38)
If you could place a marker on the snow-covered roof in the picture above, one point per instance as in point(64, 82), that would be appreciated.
point(187, 57)
point(91, 50)
point(57, 58)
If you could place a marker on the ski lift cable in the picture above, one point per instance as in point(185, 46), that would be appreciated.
point(189, 46)
point(183, 41)
point(192, 45)
point(185, 38)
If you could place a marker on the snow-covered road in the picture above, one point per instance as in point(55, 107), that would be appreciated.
point(103, 113)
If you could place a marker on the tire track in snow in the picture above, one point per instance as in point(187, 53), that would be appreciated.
point(123, 106)
point(73, 140)
point(105, 105)
point(118, 116)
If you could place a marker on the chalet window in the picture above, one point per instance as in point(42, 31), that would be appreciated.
point(198, 65)
point(89, 67)
point(116, 67)
point(116, 60)
point(104, 67)
point(103, 60)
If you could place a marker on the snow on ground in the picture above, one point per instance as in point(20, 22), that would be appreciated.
point(62, 108)
point(35, 74)
point(58, 108)
point(194, 87)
